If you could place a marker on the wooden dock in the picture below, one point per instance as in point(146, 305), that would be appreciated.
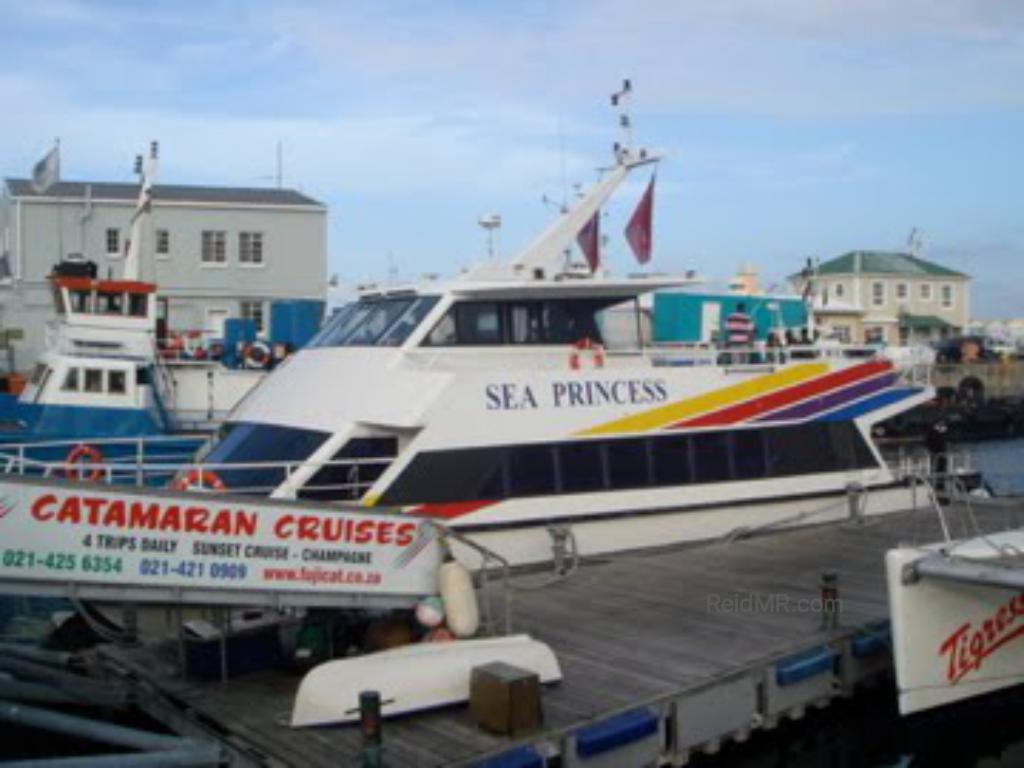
point(708, 643)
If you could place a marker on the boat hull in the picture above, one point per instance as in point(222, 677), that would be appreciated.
point(954, 640)
point(624, 531)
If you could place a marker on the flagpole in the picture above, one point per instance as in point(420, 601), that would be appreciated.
point(60, 217)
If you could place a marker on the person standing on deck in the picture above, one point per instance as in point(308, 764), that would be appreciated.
point(739, 327)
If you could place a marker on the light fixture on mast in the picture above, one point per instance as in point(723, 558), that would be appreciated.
point(620, 99)
point(490, 222)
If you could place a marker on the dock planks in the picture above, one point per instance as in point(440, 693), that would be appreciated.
point(627, 629)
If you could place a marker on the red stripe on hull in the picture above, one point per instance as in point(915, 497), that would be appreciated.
point(783, 397)
point(450, 510)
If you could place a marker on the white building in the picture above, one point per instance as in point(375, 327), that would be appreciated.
point(214, 252)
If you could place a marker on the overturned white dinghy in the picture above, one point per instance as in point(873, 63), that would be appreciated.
point(412, 678)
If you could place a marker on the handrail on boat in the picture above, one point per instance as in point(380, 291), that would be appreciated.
point(486, 555)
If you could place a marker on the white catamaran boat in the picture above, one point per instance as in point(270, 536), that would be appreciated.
point(495, 403)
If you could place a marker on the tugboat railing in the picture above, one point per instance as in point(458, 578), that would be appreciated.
point(141, 465)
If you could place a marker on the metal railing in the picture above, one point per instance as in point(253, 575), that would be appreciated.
point(161, 460)
point(907, 464)
point(492, 566)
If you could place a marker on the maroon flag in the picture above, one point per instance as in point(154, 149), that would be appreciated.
point(640, 227)
point(589, 240)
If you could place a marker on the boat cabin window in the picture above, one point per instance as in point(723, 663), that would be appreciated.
point(116, 382)
point(58, 300)
point(109, 303)
point(80, 301)
point(93, 380)
point(37, 373)
point(618, 464)
point(375, 322)
point(70, 381)
point(553, 321)
point(142, 376)
point(138, 304)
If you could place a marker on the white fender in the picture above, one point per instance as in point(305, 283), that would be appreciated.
point(456, 588)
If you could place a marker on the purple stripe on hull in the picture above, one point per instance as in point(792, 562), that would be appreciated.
point(816, 405)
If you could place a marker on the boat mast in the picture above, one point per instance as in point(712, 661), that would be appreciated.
point(147, 171)
point(545, 254)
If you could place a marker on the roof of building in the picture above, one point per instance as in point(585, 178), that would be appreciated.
point(106, 190)
point(883, 262)
point(923, 322)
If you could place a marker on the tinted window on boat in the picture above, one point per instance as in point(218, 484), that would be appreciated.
point(531, 470)
point(796, 450)
point(665, 460)
point(478, 323)
point(628, 463)
point(352, 470)
point(711, 457)
point(671, 456)
point(581, 467)
point(748, 454)
point(553, 321)
point(246, 443)
point(408, 321)
point(375, 322)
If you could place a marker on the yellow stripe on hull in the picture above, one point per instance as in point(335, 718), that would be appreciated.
point(720, 398)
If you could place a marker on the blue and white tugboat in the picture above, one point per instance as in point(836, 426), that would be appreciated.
point(105, 383)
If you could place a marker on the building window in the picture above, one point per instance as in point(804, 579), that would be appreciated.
point(163, 242)
point(902, 290)
point(113, 241)
point(926, 292)
point(214, 247)
point(253, 310)
point(874, 335)
point(839, 290)
point(250, 248)
point(947, 296)
point(842, 333)
point(878, 294)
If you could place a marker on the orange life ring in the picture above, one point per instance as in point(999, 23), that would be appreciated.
point(91, 455)
point(256, 355)
point(586, 345)
point(204, 479)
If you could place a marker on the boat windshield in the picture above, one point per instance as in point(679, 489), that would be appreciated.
point(262, 450)
point(375, 322)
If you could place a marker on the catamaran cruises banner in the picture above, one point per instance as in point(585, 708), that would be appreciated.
point(83, 534)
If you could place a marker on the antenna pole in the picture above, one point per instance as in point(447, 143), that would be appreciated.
point(279, 175)
point(620, 99)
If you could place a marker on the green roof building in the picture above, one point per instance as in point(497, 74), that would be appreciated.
point(888, 296)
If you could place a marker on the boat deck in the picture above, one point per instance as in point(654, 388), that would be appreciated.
point(650, 629)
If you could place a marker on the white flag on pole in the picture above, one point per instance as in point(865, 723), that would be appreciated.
point(46, 172)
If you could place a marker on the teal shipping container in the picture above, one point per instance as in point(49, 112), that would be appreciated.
point(697, 317)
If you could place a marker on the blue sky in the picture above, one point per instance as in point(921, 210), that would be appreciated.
point(790, 128)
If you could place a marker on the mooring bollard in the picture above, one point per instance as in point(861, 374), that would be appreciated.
point(370, 725)
point(855, 501)
point(829, 600)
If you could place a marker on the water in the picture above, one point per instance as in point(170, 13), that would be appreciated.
point(867, 732)
point(1002, 463)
